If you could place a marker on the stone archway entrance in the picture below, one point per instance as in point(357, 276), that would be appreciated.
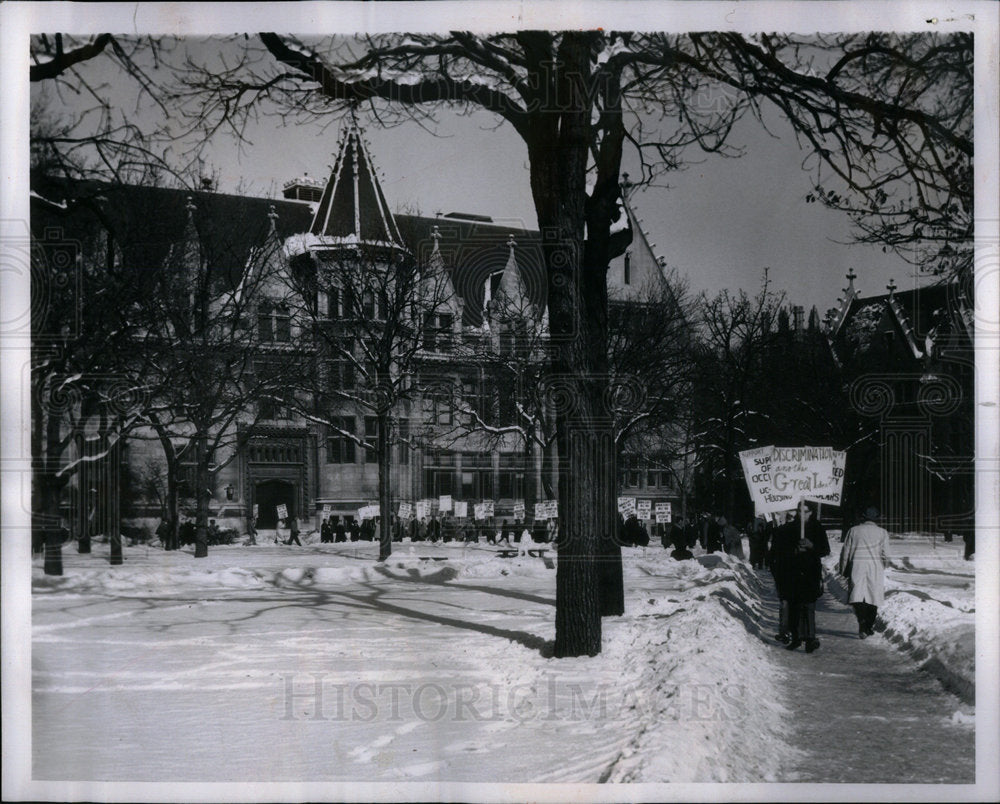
point(268, 495)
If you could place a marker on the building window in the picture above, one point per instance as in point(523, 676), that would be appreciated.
point(274, 323)
point(437, 334)
point(340, 447)
point(439, 474)
point(340, 301)
point(628, 267)
point(282, 324)
point(264, 329)
point(371, 435)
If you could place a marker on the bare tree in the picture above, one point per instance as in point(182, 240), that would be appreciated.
point(215, 344)
point(373, 312)
point(888, 121)
point(737, 331)
point(576, 99)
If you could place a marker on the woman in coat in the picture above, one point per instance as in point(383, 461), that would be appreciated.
point(863, 560)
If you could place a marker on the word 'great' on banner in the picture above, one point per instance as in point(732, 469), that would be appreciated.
point(778, 477)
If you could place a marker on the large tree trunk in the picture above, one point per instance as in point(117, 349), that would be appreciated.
point(577, 303)
point(384, 500)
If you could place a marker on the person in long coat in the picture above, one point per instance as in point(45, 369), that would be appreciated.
point(863, 559)
point(798, 573)
point(732, 541)
point(757, 538)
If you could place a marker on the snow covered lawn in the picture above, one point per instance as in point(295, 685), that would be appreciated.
point(276, 663)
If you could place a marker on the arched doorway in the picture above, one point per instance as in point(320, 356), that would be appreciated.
point(268, 495)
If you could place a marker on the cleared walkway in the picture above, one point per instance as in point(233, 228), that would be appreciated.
point(865, 713)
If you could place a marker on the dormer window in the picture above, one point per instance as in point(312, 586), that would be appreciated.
point(274, 323)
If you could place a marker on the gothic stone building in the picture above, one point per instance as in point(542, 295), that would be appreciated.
point(314, 463)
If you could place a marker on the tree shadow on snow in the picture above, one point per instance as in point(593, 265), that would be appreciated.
point(449, 573)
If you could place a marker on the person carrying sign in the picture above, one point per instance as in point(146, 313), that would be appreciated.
point(799, 546)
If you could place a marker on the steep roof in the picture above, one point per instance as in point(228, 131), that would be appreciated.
point(473, 251)
point(148, 221)
point(353, 209)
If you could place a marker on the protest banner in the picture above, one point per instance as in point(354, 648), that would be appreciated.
point(444, 503)
point(541, 511)
point(829, 492)
point(461, 509)
point(423, 509)
point(282, 511)
point(487, 508)
point(664, 513)
point(789, 475)
point(519, 510)
point(643, 509)
point(405, 510)
point(552, 509)
point(757, 473)
point(479, 510)
point(799, 473)
point(626, 506)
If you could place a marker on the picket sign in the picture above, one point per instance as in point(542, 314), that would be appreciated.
point(778, 477)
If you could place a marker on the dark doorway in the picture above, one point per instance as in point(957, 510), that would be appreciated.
point(268, 495)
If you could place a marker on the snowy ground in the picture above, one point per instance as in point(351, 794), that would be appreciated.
point(318, 664)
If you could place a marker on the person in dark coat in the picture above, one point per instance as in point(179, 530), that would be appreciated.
point(799, 550)
point(757, 538)
point(339, 531)
point(732, 539)
point(632, 534)
point(713, 535)
point(293, 531)
point(326, 531)
point(433, 529)
point(779, 566)
point(354, 529)
point(187, 533)
point(969, 537)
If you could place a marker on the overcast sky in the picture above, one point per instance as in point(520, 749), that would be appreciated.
point(720, 222)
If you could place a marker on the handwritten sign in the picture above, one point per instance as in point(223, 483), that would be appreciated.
point(519, 510)
point(444, 503)
point(664, 513)
point(643, 509)
point(830, 491)
point(282, 511)
point(405, 510)
point(778, 477)
point(626, 506)
point(461, 509)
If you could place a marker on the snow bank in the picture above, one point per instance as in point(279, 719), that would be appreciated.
point(930, 607)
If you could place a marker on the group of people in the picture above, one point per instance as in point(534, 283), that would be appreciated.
point(795, 557)
point(793, 552)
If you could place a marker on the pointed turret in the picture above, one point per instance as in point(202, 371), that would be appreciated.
point(511, 301)
point(353, 210)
